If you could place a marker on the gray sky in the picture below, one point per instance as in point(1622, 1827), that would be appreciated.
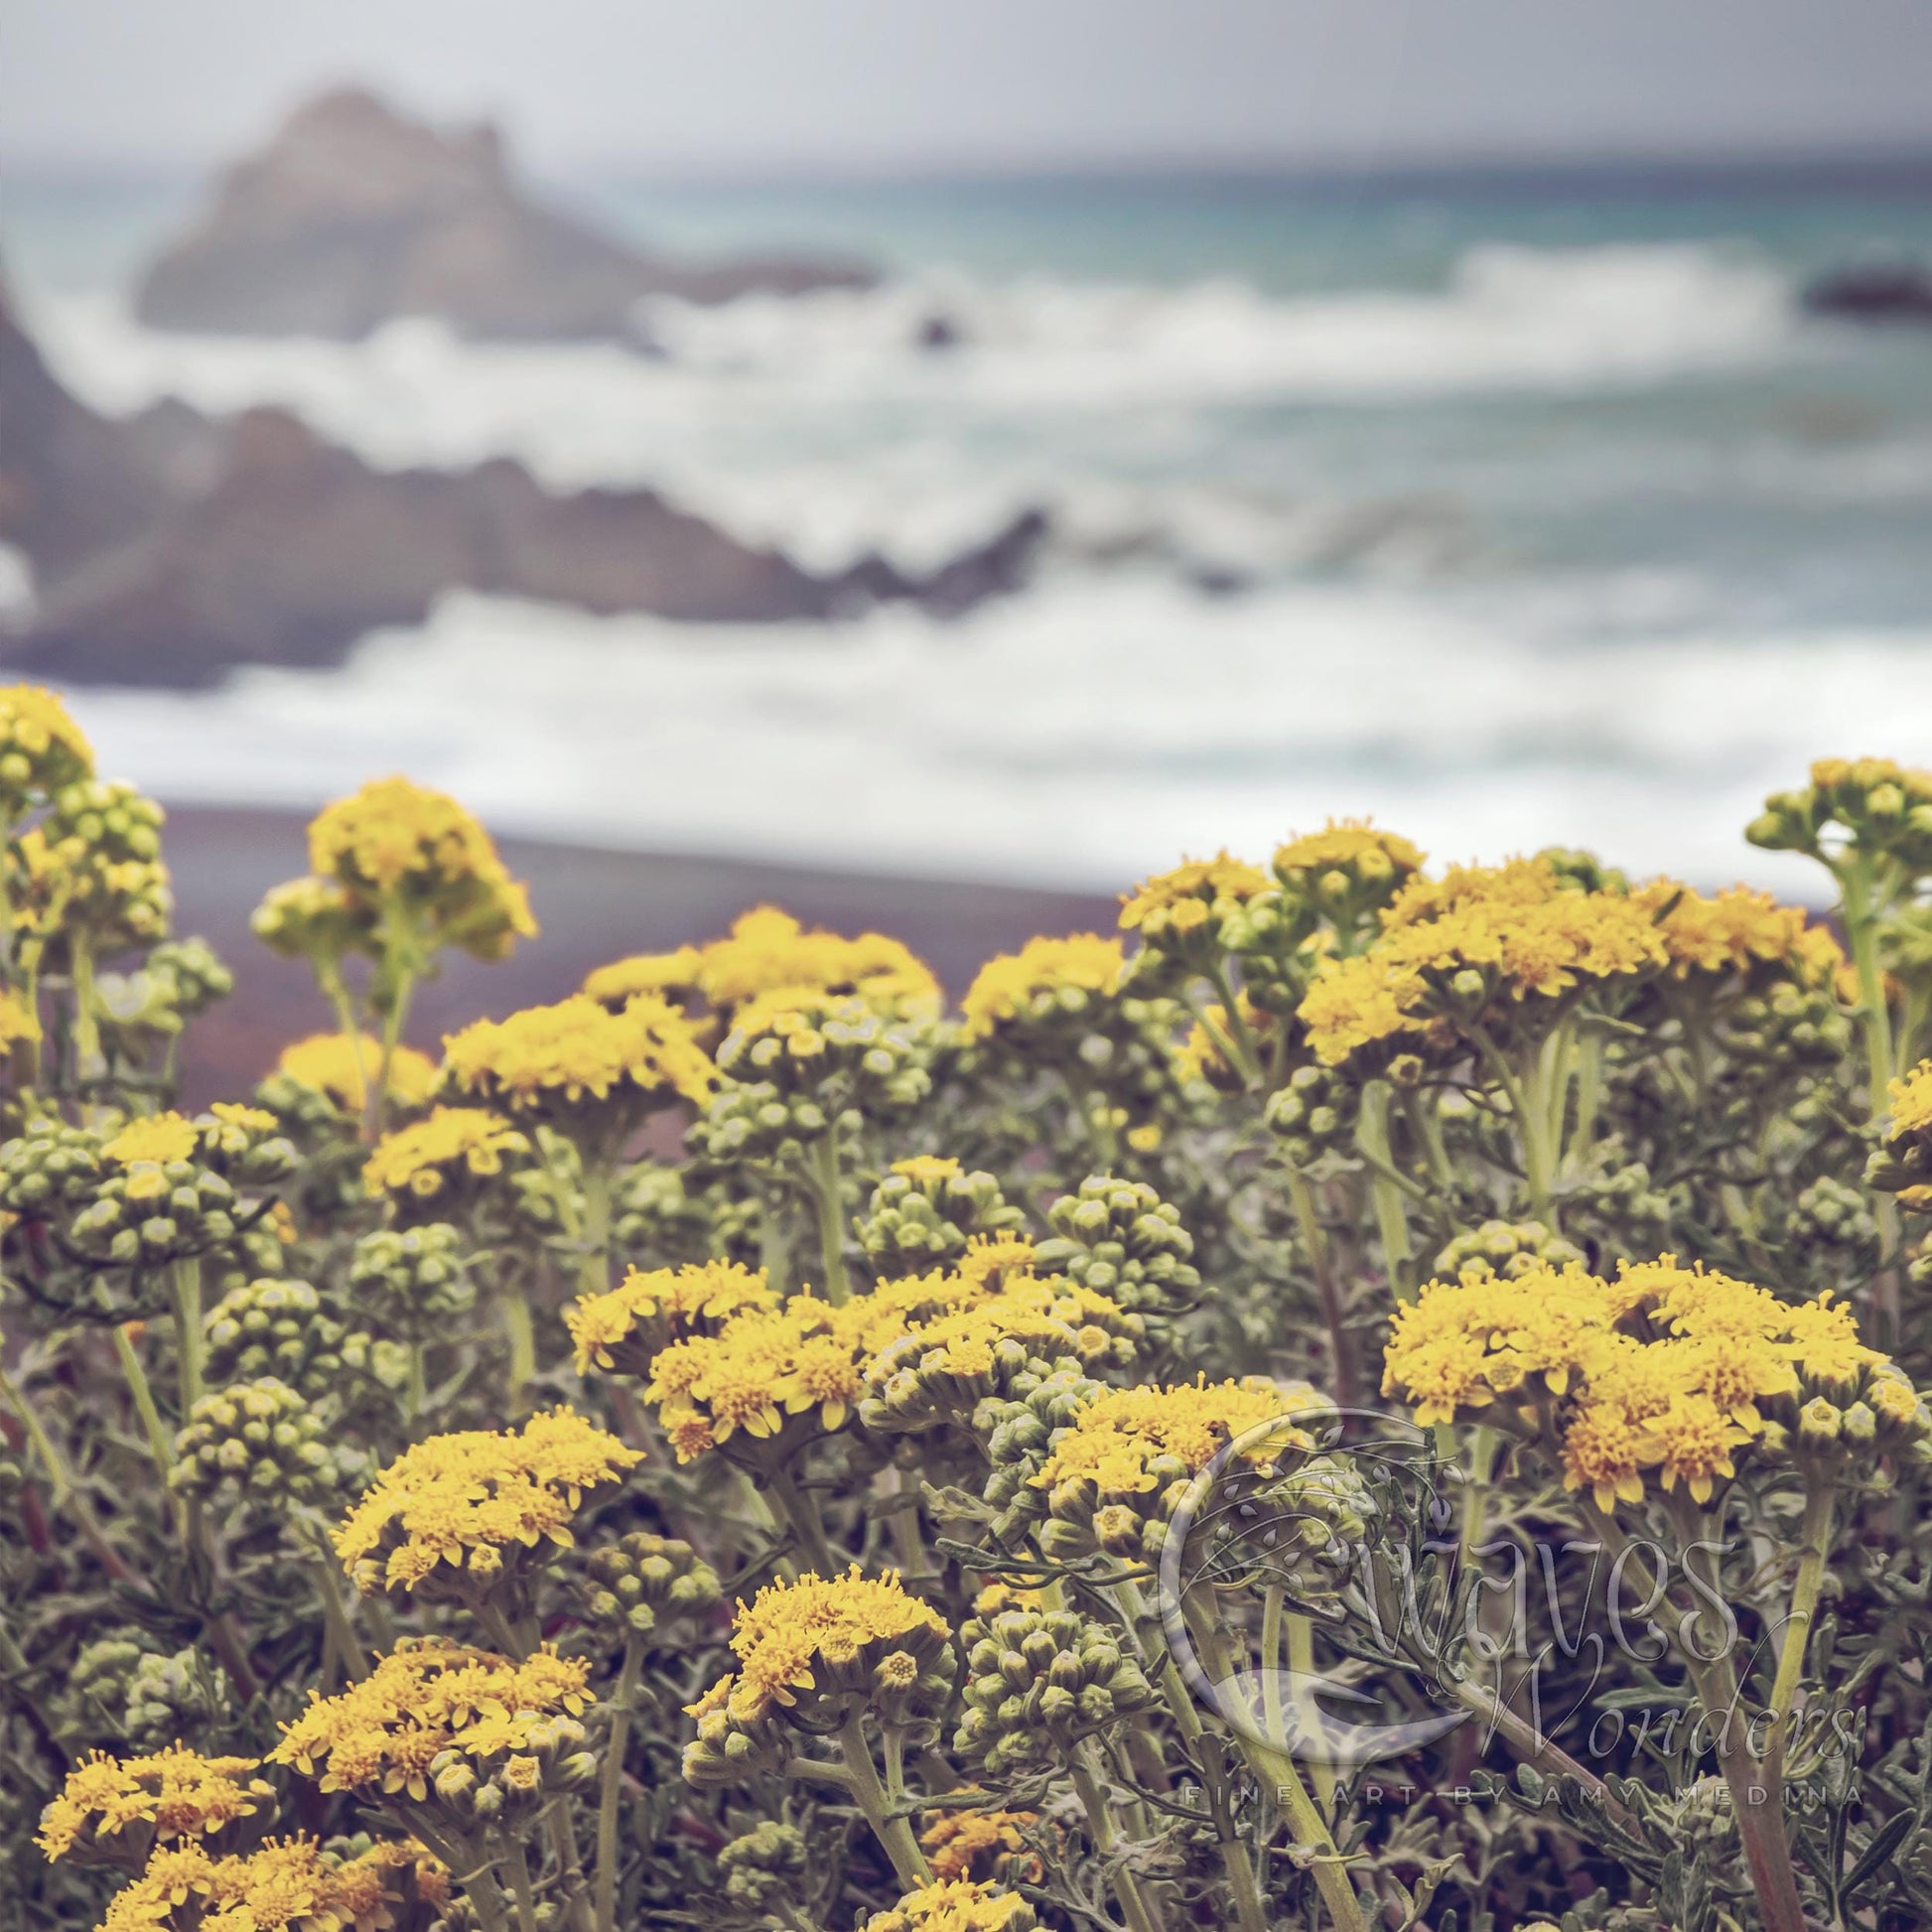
point(734, 85)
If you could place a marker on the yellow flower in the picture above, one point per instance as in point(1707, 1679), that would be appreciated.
point(1912, 1102)
point(577, 1050)
point(980, 1844)
point(426, 1696)
point(665, 1302)
point(157, 1138)
point(955, 1905)
point(40, 747)
point(476, 1500)
point(768, 948)
point(1693, 1441)
point(177, 1792)
point(666, 974)
point(1739, 928)
point(421, 1158)
point(1118, 1436)
point(18, 1022)
point(341, 1065)
point(1032, 983)
point(787, 1628)
point(1354, 846)
point(923, 1170)
point(1194, 895)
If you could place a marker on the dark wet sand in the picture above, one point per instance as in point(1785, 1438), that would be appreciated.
point(592, 906)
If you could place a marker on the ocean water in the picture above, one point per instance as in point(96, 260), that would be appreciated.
point(1510, 511)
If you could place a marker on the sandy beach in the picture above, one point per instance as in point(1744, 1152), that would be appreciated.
point(594, 906)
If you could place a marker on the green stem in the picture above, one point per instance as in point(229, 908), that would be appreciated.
point(1243, 1050)
point(67, 1494)
point(521, 1335)
point(800, 1513)
point(185, 1280)
point(1300, 1660)
point(1386, 1188)
point(1816, 1543)
point(1342, 1357)
point(594, 1272)
point(827, 1201)
point(519, 1870)
point(893, 1834)
point(612, 1785)
point(1530, 1122)
point(86, 1007)
point(1106, 1840)
point(159, 1447)
point(335, 1610)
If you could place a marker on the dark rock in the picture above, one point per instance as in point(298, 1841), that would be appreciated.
point(170, 549)
point(354, 215)
point(71, 484)
point(938, 332)
point(1878, 291)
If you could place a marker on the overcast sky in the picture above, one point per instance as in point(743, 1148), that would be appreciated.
point(736, 86)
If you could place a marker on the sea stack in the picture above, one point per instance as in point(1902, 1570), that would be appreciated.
point(354, 215)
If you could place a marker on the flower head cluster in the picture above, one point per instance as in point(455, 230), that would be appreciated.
point(624, 1328)
point(1347, 869)
point(1131, 1456)
point(955, 1905)
point(1739, 930)
point(450, 1515)
point(1180, 915)
point(811, 1653)
point(1878, 807)
point(669, 976)
point(111, 1805)
point(987, 1846)
point(769, 949)
point(42, 749)
point(425, 1158)
point(286, 1885)
point(577, 1056)
point(1501, 945)
point(93, 871)
point(340, 1066)
point(1902, 1165)
point(1663, 1368)
point(397, 841)
point(1045, 985)
point(427, 1697)
point(926, 1210)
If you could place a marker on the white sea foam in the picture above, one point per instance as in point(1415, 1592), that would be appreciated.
point(817, 424)
point(1085, 733)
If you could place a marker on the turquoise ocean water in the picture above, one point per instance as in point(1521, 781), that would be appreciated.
point(1510, 509)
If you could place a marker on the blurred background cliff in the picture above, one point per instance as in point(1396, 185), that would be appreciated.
point(1001, 444)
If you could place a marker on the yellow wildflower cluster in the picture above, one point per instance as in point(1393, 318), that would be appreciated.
point(1456, 943)
point(341, 1065)
point(650, 1309)
point(578, 1051)
point(767, 948)
point(1911, 1101)
point(1193, 895)
point(287, 1886)
point(1355, 847)
point(955, 1905)
point(426, 1696)
point(18, 1021)
point(423, 1158)
point(788, 1628)
point(1120, 1441)
point(1663, 1367)
point(171, 1794)
point(41, 747)
point(672, 976)
point(1043, 977)
point(398, 843)
point(808, 1357)
point(981, 1845)
point(474, 1500)
point(1738, 929)
point(154, 1139)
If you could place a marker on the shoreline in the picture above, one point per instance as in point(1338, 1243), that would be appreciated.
point(594, 906)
